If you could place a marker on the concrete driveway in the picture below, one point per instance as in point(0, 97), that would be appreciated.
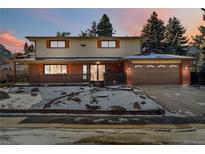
point(186, 100)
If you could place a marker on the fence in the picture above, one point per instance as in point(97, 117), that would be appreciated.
point(198, 78)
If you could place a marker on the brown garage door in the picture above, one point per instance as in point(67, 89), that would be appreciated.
point(155, 74)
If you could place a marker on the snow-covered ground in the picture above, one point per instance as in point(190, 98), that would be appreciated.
point(78, 98)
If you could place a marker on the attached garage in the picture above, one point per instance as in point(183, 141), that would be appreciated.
point(155, 74)
point(157, 69)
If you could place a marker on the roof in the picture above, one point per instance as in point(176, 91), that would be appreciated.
point(68, 59)
point(156, 56)
point(131, 57)
point(84, 37)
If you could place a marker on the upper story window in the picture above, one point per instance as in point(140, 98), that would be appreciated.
point(108, 43)
point(57, 44)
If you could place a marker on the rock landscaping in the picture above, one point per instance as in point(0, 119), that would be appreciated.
point(113, 98)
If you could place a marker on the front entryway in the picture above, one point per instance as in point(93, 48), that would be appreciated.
point(97, 72)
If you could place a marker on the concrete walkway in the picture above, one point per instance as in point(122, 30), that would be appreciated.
point(18, 130)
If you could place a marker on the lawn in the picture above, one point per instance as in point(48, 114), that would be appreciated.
point(121, 98)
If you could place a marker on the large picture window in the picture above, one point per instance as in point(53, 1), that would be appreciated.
point(55, 69)
point(57, 44)
point(108, 44)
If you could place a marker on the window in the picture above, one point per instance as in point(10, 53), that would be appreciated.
point(173, 66)
point(161, 66)
point(136, 66)
point(108, 44)
point(150, 66)
point(55, 69)
point(85, 71)
point(57, 44)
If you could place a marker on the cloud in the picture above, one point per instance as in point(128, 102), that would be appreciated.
point(10, 41)
point(131, 21)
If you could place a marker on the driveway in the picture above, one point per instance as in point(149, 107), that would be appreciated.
point(185, 100)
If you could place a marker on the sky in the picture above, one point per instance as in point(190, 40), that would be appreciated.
point(15, 24)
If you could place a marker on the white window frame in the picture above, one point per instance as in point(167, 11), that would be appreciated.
point(148, 66)
point(85, 72)
point(136, 66)
point(57, 43)
point(108, 44)
point(173, 66)
point(63, 69)
point(162, 66)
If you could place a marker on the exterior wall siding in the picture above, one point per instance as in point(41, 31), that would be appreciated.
point(127, 46)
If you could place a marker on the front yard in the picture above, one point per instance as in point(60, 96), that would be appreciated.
point(115, 98)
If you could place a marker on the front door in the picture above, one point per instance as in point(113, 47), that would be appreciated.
point(97, 72)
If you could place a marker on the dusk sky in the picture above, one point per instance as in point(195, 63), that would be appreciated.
point(17, 23)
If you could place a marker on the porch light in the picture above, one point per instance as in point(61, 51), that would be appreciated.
point(186, 68)
point(97, 62)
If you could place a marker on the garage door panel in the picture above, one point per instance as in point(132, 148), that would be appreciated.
point(155, 75)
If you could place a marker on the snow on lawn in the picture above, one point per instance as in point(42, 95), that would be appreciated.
point(19, 101)
point(78, 98)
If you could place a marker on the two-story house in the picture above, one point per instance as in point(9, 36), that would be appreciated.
point(112, 60)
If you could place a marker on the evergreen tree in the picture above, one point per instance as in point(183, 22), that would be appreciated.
point(84, 33)
point(199, 41)
point(90, 32)
point(26, 47)
point(63, 34)
point(93, 29)
point(104, 27)
point(31, 48)
point(175, 41)
point(154, 34)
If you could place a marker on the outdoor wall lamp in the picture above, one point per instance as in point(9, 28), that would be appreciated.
point(186, 68)
point(97, 62)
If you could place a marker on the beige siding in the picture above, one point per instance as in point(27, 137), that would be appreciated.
point(128, 46)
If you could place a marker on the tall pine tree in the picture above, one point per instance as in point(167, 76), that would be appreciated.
point(199, 41)
point(154, 34)
point(93, 29)
point(104, 27)
point(90, 32)
point(175, 41)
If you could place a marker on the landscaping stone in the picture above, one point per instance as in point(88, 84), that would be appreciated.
point(143, 97)
point(117, 108)
point(4, 95)
point(102, 96)
point(92, 107)
point(143, 102)
point(34, 93)
point(35, 89)
point(19, 91)
point(76, 99)
point(63, 93)
point(136, 105)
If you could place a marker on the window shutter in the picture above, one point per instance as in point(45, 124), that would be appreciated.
point(41, 69)
point(67, 43)
point(117, 43)
point(47, 44)
point(98, 44)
